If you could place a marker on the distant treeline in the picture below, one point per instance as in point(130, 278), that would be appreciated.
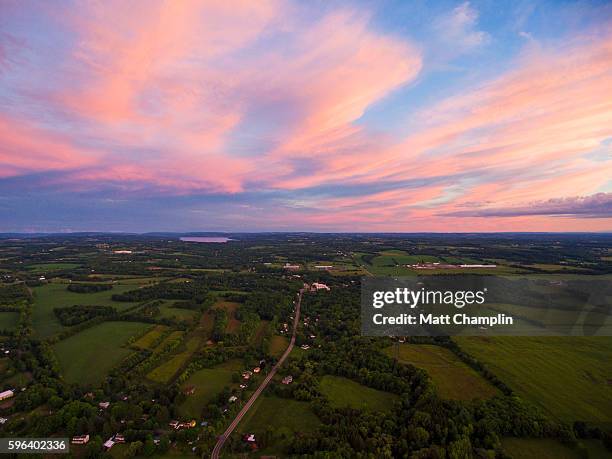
point(89, 288)
point(77, 314)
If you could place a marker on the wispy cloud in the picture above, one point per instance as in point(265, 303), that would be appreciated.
point(596, 206)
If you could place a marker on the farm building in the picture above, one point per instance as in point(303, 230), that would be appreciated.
point(80, 440)
point(6, 394)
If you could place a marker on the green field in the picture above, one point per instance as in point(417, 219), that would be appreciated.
point(168, 369)
point(55, 295)
point(280, 414)
point(88, 356)
point(8, 320)
point(278, 344)
point(545, 448)
point(567, 377)
point(176, 313)
point(343, 392)
point(46, 267)
point(453, 378)
point(148, 339)
point(208, 383)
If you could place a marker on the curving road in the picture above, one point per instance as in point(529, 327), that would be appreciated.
point(222, 438)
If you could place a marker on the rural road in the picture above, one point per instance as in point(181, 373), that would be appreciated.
point(221, 440)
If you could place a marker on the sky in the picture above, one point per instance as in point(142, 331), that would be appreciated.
point(275, 115)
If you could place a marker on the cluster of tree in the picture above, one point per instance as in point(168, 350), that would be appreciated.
point(88, 288)
point(14, 293)
point(73, 315)
point(220, 325)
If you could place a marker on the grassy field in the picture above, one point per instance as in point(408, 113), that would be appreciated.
point(278, 344)
point(175, 313)
point(546, 448)
point(290, 416)
point(46, 267)
point(567, 377)
point(453, 378)
point(208, 383)
point(55, 295)
point(233, 324)
point(169, 368)
point(148, 339)
point(88, 356)
point(345, 392)
point(8, 320)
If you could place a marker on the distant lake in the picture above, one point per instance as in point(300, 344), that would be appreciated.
point(205, 239)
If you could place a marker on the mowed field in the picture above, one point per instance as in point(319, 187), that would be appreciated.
point(164, 372)
point(148, 340)
point(452, 378)
point(280, 414)
point(278, 345)
point(546, 448)
point(233, 324)
point(208, 383)
point(54, 295)
point(569, 378)
point(89, 355)
point(342, 392)
point(8, 320)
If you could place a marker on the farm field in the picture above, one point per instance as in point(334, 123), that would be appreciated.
point(8, 320)
point(278, 344)
point(566, 377)
point(539, 448)
point(452, 378)
point(166, 311)
point(102, 344)
point(343, 392)
point(285, 417)
point(208, 383)
point(233, 323)
point(390, 263)
point(164, 372)
point(45, 267)
point(55, 295)
point(148, 339)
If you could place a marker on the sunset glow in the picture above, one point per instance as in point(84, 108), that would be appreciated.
point(324, 116)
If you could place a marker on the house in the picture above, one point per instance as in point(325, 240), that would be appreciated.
point(3, 420)
point(243, 386)
point(305, 347)
point(6, 394)
point(287, 379)
point(256, 370)
point(317, 286)
point(174, 424)
point(119, 438)
point(108, 444)
point(291, 267)
point(323, 266)
point(104, 405)
point(80, 440)
point(249, 438)
point(233, 398)
point(247, 374)
point(189, 390)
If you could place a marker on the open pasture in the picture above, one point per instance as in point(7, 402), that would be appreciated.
point(452, 378)
point(89, 355)
point(54, 295)
point(568, 377)
point(208, 382)
point(9, 320)
point(342, 392)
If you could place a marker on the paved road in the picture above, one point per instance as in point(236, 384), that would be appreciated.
point(221, 440)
